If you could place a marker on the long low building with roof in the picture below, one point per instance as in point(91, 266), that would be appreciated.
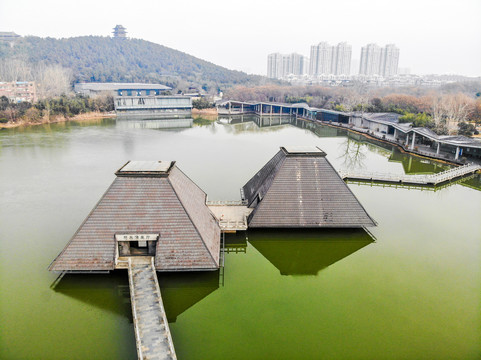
point(151, 209)
point(385, 125)
point(299, 188)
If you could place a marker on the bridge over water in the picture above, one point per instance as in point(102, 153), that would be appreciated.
point(431, 179)
point(152, 333)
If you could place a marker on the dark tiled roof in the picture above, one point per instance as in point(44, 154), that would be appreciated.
point(302, 191)
point(189, 235)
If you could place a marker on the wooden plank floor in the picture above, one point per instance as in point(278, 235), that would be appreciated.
point(152, 332)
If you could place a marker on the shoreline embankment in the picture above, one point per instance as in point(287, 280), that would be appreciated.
point(58, 119)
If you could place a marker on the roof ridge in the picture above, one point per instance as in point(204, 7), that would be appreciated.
point(190, 218)
point(81, 225)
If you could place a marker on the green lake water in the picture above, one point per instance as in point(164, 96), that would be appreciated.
point(412, 291)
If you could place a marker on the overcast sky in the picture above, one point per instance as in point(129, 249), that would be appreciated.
point(433, 36)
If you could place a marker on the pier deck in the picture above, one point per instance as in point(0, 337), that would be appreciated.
point(232, 215)
point(431, 179)
point(152, 331)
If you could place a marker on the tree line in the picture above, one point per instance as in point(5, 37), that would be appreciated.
point(105, 59)
point(44, 109)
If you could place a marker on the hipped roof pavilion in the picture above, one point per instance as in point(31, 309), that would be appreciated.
point(147, 197)
point(299, 188)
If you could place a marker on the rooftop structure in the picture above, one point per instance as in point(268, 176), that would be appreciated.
point(8, 36)
point(299, 188)
point(119, 32)
point(151, 209)
point(120, 89)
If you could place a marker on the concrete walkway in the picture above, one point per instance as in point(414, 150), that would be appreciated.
point(232, 215)
point(152, 331)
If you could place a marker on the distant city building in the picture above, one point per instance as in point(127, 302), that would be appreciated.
point(281, 66)
point(379, 61)
point(389, 60)
point(274, 65)
point(327, 59)
point(19, 91)
point(341, 56)
point(119, 32)
point(321, 59)
point(370, 60)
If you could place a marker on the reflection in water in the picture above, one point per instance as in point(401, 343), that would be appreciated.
point(108, 292)
point(352, 153)
point(182, 290)
point(414, 165)
point(306, 252)
point(473, 182)
point(111, 292)
point(155, 124)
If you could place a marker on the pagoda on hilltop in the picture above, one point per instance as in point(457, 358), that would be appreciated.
point(120, 32)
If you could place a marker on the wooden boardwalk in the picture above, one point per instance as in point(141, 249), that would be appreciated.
point(431, 179)
point(232, 215)
point(152, 332)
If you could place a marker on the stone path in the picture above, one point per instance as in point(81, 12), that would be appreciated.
point(152, 331)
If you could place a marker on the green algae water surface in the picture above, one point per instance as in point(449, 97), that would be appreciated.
point(413, 293)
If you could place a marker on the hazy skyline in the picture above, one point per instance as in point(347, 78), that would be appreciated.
point(442, 37)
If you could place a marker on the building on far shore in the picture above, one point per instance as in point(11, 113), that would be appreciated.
point(138, 100)
point(19, 91)
point(120, 89)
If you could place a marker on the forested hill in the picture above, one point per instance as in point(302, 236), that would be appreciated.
point(105, 59)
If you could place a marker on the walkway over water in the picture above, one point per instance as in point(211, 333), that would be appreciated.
point(152, 331)
point(431, 179)
point(232, 215)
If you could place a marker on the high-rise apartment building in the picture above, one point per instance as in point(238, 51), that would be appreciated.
point(341, 59)
point(389, 60)
point(274, 66)
point(379, 61)
point(370, 60)
point(280, 66)
point(328, 59)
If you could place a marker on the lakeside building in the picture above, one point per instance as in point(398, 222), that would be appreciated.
point(19, 91)
point(120, 89)
point(152, 209)
point(299, 188)
point(385, 126)
point(146, 101)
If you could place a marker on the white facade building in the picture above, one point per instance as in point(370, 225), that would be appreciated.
point(379, 61)
point(341, 64)
point(280, 66)
point(327, 59)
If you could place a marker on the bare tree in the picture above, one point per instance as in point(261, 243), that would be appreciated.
point(15, 70)
point(52, 80)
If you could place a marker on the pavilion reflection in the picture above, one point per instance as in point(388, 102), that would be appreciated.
point(306, 252)
point(182, 290)
point(110, 292)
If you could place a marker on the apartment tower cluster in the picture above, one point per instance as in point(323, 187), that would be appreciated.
point(326, 59)
point(376, 60)
point(282, 65)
